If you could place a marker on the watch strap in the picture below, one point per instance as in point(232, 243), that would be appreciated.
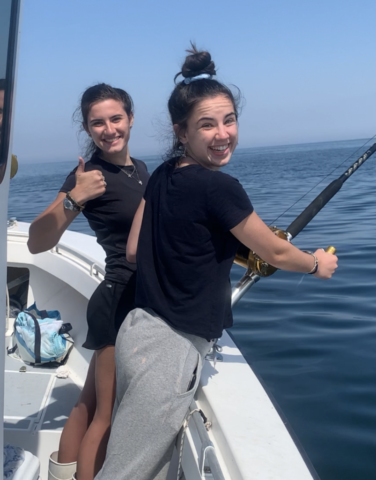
point(79, 207)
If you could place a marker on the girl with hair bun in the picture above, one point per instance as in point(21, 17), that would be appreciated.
point(107, 189)
point(186, 232)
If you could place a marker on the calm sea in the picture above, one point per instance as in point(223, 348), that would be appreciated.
point(311, 342)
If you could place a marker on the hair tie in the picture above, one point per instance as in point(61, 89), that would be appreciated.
point(197, 77)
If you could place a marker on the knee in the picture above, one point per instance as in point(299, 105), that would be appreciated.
point(102, 419)
point(85, 406)
point(103, 412)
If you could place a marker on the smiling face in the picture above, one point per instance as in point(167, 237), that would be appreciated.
point(109, 126)
point(211, 135)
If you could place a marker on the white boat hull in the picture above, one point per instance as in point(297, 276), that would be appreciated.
point(249, 438)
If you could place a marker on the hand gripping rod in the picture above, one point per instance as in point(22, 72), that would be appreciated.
point(255, 266)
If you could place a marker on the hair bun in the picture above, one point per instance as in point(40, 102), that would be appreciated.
point(197, 63)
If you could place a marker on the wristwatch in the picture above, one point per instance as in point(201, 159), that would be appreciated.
point(70, 204)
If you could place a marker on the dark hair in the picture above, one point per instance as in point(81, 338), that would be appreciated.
point(186, 96)
point(2, 83)
point(99, 93)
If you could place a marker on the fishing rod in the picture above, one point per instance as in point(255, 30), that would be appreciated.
point(255, 266)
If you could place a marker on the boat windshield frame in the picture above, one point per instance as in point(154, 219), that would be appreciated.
point(9, 25)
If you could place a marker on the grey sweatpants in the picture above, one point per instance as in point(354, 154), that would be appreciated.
point(155, 366)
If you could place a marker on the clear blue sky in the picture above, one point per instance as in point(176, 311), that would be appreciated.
point(307, 69)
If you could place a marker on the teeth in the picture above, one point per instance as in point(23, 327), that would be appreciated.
point(219, 148)
point(111, 140)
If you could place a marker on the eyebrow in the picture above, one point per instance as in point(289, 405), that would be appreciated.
point(100, 119)
point(210, 118)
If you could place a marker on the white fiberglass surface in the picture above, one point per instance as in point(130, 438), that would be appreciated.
point(250, 438)
point(37, 394)
point(37, 402)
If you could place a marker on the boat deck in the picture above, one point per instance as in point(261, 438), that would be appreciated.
point(36, 399)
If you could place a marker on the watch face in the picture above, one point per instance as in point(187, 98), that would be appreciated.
point(69, 205)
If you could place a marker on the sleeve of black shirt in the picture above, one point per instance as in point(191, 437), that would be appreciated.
point(70, 182)
point(228, 202)
point(143, 164)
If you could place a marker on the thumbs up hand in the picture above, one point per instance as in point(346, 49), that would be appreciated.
point(89, 185)
point(81, 166)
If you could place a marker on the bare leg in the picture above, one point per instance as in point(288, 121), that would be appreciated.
point(94, 444)
point(79, 419)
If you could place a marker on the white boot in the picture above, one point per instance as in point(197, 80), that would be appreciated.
point(60, 471)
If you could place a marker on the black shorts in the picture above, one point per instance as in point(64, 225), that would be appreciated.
point(107, 308)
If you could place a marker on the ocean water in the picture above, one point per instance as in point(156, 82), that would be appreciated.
point(311, 342)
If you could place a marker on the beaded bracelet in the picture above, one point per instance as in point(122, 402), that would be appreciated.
point(316, 265)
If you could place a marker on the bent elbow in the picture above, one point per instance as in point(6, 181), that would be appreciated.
point(33, 248)
point(273, 258)
point(32, 245)
point(131, 257)
point(36, 244)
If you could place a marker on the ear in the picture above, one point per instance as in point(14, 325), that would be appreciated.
point(131, 119)
point(180, 133)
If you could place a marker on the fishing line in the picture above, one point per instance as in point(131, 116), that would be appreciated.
point(326, 176)
point(301, 280)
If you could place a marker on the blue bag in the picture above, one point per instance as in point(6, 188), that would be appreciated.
point(38, 339)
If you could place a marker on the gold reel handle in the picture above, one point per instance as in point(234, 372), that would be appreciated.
point(331, 249)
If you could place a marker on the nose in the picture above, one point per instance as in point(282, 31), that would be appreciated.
point(222, 133)
point(109, 128)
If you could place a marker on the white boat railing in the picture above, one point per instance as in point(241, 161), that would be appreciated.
point(94, 268)
point(208, 464)
point(60, 249)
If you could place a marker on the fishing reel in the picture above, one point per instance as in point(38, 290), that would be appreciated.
point(249, 260)
point(256, 267)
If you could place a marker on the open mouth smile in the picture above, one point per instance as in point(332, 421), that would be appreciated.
point(111, 141)
point(219, 148)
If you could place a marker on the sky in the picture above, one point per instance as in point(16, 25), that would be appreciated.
point(306, 69)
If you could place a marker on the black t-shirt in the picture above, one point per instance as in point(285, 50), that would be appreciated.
point(111, 214)
point(186, 250)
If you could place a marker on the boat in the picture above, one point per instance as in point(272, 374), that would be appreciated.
point(234, 430)
point(246, 437)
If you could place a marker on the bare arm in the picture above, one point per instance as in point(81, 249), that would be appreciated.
point(135, 232)
point(257, 236)
point(47, 229)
